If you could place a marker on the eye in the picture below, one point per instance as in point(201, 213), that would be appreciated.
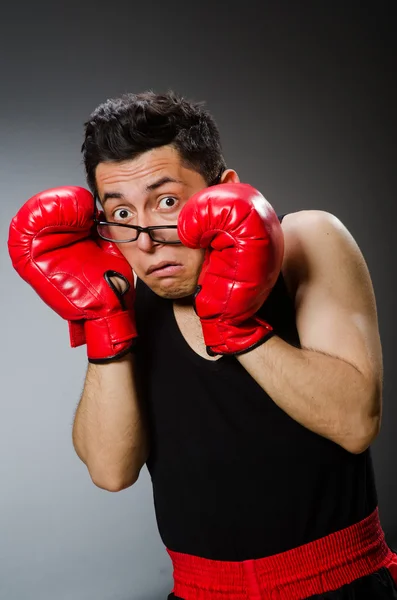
point(168, 202)
point(121, 214)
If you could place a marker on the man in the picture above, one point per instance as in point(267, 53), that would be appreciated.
point(245, 371)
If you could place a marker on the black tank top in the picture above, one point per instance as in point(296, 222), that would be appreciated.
point(234, 477)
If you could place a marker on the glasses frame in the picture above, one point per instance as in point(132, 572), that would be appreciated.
point(137, 228)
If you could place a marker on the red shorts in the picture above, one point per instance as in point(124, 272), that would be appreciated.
point(315, 568)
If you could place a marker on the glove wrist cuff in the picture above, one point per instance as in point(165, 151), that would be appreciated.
point(227, 338)
point(110, 337)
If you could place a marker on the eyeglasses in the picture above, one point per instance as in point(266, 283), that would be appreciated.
point(121, 233)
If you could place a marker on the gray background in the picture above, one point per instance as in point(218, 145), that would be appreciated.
point(305, 96)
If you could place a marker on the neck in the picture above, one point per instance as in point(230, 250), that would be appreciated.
point(185, 301)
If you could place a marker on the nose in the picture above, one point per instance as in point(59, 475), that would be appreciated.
point(145, 242)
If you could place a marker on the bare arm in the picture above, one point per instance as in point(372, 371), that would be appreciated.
point(109, 434)
point(333, 385)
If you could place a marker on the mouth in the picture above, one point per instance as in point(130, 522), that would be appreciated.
point(165, 268)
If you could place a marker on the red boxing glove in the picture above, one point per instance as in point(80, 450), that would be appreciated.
point(52, 247)
point(245, 247)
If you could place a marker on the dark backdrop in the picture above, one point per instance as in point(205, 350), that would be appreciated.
point(305, 96)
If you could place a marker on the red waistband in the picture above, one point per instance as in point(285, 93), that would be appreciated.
point(318, 567)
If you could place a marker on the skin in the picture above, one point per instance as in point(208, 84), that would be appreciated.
point(333, 384)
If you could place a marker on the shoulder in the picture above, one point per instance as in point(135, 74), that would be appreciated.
point(314, 240)
point(311, 222)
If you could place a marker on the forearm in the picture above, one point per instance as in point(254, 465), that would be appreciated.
point(109, 433)
point(323, 393)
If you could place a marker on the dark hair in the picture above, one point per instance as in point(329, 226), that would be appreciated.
point(122, 128)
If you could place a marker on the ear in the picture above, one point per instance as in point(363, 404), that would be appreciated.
point(229, 176)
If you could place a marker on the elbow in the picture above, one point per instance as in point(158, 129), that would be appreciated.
point(116, 480)
point(361, 442)
point(114, 484)
point(357, 447)
point(110, 482)
point(366, 424)
point(117, 477)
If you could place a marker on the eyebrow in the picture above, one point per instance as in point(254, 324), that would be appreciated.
point(108, 195)
point(149, 188)
point(162, 181)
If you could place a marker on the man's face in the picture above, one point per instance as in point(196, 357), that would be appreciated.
point(151, 190)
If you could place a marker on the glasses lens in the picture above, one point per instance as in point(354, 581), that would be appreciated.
point(117, 233)
point(167, 236)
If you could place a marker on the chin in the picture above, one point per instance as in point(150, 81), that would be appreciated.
point(172, 290)
point(174, 295)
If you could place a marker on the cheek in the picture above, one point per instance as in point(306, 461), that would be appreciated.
point(131, 256)
point(194, 260)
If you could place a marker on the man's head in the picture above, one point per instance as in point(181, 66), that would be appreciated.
point(145, 155)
